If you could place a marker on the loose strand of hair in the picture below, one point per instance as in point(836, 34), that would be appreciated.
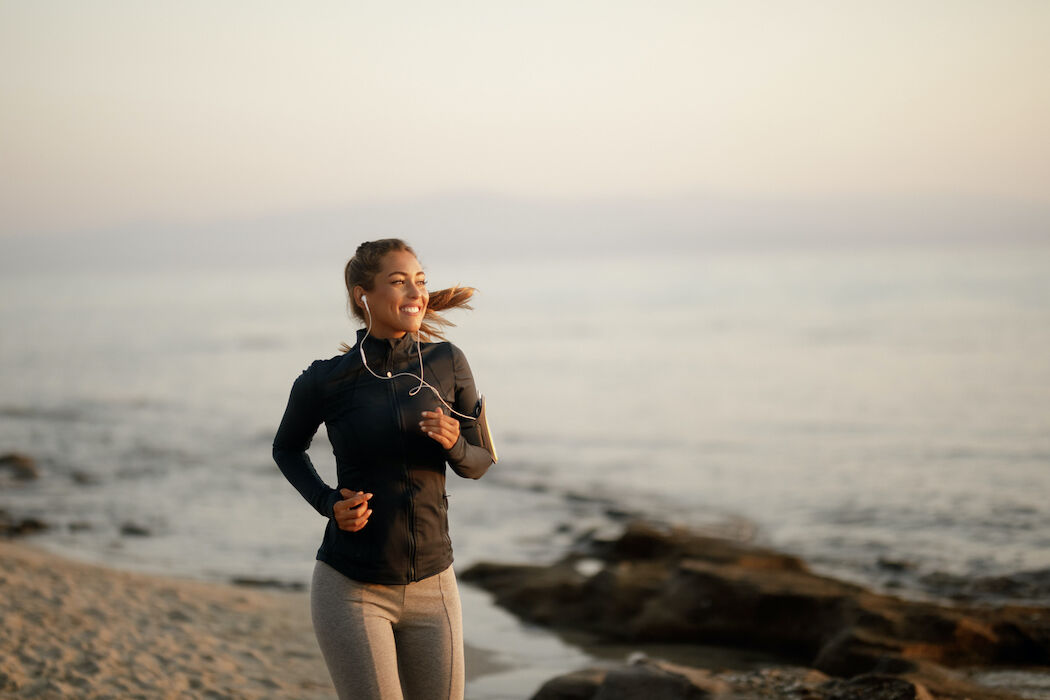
point(454, 297)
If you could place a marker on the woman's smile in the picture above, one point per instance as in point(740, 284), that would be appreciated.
point(398, 302)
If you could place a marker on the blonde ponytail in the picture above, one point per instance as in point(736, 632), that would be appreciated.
point(455, 297)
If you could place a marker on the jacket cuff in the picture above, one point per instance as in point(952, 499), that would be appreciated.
point(333, 498)
point(457, 452)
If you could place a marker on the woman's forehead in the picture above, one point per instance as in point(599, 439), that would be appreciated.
point(401, 261)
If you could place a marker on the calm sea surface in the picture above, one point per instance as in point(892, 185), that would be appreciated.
point(852, 406)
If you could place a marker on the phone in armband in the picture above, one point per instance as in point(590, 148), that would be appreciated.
point(483, 429)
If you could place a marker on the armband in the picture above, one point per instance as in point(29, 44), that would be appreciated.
point(483, 429)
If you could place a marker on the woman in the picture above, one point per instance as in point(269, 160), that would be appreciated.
point(384, 599)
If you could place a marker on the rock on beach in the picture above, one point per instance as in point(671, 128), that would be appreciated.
point(656, 584)
point(19, 466)
point(650, 679)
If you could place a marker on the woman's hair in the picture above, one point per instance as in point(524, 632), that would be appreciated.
point(368, 262)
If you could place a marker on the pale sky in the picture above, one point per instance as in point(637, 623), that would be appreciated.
point(118, 112)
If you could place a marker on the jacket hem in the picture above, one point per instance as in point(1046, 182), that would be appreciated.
point(385, 578)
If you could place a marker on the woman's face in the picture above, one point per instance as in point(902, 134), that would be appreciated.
point(398, 298)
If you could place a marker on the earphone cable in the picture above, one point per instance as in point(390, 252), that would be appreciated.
point(419, 352)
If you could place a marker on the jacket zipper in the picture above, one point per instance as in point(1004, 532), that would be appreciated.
point(404, 468)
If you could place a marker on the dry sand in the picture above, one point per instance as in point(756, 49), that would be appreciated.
point(82, 631)
point(74, 630)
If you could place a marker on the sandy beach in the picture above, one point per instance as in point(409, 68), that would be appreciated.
point(74, 630)
point(77, 630)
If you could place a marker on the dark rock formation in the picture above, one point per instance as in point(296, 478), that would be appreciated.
point(646, 679)
point(874, 687)
point(130, 529)
point(651, 679)
point(1027, 585)
point(660, 585)
point(12, 526)
point(21, 467)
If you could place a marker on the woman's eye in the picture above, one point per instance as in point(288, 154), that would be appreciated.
point(398, 282)
point(422, 283)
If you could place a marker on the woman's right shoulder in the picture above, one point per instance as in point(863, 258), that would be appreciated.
point(320, 370)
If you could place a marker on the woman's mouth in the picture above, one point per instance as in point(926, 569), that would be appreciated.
point(411, 309)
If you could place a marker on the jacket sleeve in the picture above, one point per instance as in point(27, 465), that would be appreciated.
point(467, 457)
point(298, 427)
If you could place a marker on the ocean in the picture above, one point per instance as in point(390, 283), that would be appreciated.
point(883, 412)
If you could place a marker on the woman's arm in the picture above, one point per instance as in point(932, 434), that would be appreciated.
point(298, 426)
point(465, 453)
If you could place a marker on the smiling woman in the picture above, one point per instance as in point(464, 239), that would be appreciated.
point(387, 271)
point(384, 598)
point(399, 299)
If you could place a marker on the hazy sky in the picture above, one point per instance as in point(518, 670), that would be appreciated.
point(115, 112)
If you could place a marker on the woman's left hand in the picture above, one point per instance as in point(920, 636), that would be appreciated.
point(444, 429)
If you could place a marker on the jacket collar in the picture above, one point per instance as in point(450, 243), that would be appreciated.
point(405, 345)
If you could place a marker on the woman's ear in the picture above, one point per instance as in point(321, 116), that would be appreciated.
point(357, 293)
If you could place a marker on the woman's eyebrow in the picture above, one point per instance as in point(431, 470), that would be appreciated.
point(398, 272)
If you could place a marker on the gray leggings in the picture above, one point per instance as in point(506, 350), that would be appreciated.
point(389, 642)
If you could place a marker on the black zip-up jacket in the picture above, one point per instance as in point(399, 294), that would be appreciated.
point(373, 425)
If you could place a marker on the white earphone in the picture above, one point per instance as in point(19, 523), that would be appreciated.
point(419, 352)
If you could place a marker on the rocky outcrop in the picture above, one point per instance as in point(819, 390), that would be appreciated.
point(654, 584)
point(13, 526)
point(18, 466)
point(649, 679)
point(1031, 585)
point(643, 679)
point(659, 679)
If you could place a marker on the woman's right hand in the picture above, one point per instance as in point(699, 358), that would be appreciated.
point(351, 513)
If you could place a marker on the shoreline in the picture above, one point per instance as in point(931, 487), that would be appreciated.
point(74, 629)
point(82, 629)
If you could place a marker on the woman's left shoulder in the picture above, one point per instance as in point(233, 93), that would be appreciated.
point(450, 350)
point(440, 345)
point(455, 351)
